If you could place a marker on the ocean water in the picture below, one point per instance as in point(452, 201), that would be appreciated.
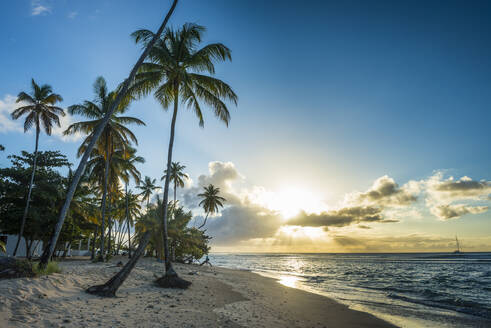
point(409, 290)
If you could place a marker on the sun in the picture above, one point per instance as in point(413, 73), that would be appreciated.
point(290, 201)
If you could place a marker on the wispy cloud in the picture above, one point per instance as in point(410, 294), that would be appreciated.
point(72, 14)
point(7, 105)
point(38, 7)
point(7, 124)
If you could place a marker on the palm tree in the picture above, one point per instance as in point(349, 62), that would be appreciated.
point(174, 73)
point(177, 176)
point(129, 159)
point(40, 109)
point(122, 95)
point(148, 186)
point(211, 201)
point(115, 133)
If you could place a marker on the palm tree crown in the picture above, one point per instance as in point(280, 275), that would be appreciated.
point(211, 200)
point(39, 108)
point(115, 133)
point(176, 176)
point(148, 186)
point(175, 67)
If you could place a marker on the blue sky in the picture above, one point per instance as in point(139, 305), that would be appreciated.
point(332, 94)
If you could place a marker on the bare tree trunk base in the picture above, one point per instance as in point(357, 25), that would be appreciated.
point(102, 290)
point(172, 281)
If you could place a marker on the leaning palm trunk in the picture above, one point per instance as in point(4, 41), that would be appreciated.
point(109, 288)
point(170, 279)
point(97, 133)
point(26, 209)
point(204, 222)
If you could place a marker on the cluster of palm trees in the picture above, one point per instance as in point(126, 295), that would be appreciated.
point(177, 72)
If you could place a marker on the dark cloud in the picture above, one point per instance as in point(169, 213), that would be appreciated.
point(340, 218)
point(445, 212)
point(464, 185)
point(238, 223)
point(385, 192)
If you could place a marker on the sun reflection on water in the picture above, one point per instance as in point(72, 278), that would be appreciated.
point(289, 281)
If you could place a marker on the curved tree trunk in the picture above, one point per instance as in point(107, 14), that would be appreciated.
point(128, 221)
point(170, 279)
point(169, 271)
point(26, 209)
point(204, 222)
point(97, 133)
point(109, 288)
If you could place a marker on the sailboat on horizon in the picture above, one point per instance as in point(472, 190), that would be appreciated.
point(457, 251)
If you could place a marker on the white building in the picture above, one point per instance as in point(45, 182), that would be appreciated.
point(37, 247)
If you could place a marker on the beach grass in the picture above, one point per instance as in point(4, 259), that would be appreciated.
point(51, 268)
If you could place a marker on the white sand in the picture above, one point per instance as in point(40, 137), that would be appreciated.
point(217, 298)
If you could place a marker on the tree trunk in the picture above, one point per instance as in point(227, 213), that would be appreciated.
point(128, 222)
point(97, 133)
point(92, 255)
point(170, 279)
point(26, 209)
point(169, 271)
point(109, 288)
point(204, 222)
point(110, 226)
point(104, 196)
point(175, 192)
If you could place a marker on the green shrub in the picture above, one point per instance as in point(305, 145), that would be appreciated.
point(51, 268)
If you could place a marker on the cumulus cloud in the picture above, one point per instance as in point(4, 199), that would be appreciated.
point(7, 124)
point(449, 211)
point(446, 197)
point(386, 192)
point(242, 222)
point(248, 222)
point(221, 175)
point(340, 218)
point(72, 14)
point(38, 7)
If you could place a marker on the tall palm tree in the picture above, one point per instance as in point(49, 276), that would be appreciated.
point(122, 94)
point(129, 159)
point(115, 133)
point(176, 176)
point(211, 201)
point(147, 187)
point(40, 109)
point(174, 72)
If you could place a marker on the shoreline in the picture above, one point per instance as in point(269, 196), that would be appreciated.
point(218, 297)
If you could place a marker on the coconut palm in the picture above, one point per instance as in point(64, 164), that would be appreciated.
point(175, 73)
point(176, 176)
point(129, 159)
point(211, 201)
point(115, 134)
point(148, 186)
point(121, 96)
point(39, 106)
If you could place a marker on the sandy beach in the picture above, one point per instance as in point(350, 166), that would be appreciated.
point(217, 298)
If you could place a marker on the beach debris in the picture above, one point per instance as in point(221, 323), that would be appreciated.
point(119, 264)
point(193, 273)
